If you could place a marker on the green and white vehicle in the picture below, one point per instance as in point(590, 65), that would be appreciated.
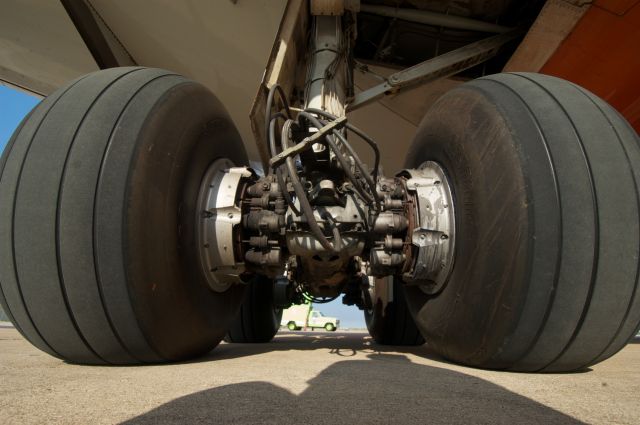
point(303, 316)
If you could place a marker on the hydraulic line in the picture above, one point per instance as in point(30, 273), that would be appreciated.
point(272, 133)
point(305, 206)
point(283, 98)
point(343, 161)
point(360, 133)
point(281, 178)
point(374, 197)
point(270, 120)
point(363, 170)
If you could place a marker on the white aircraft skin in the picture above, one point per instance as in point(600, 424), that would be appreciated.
point(222, 44)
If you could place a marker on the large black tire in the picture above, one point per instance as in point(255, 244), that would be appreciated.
point(258, 320)
point(545, 178)
point(389, 322)
point(98, 189)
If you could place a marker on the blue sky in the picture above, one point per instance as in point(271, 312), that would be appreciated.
point(14, 105)
point(350, 316)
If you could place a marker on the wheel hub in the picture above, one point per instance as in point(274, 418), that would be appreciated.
point(218, 215)
point(433, 234)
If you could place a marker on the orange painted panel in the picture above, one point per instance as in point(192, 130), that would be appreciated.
point(619, 7)
point(602, 54)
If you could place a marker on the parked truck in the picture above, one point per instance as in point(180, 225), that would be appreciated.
point(301, 316)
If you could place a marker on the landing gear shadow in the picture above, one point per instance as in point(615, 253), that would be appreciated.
point(343, 344)
point(397, 390)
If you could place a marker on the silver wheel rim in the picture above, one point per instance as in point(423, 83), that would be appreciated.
point(435, 228)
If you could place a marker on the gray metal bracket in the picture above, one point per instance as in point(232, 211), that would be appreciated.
point(438, 67)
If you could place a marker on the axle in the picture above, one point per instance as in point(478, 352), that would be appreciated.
point(401, 226)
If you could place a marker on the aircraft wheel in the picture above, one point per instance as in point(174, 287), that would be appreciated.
point(258, 320)
point(98, 191)
point(545, 180)
point(389, 321)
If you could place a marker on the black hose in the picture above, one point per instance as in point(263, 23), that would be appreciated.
point(363, 136)
point(267, 115)
point(285, 192)
point(305, 206)
point(362, 168)
point(280, 177)
point(341, 159)
point(347, 169)
point(272, 133)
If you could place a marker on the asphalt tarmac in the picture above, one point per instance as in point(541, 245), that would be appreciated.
point(310, 378)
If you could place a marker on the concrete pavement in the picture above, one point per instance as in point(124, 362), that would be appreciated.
point(313, 377)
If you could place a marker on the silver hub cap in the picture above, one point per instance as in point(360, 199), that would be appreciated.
point(434, 231)
point(218, 213)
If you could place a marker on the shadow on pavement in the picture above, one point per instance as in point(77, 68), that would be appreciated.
point(384, 388)
point(343, 344)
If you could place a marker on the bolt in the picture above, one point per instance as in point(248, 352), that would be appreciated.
point(230, 215)
point(437, 182)
point(444, 237)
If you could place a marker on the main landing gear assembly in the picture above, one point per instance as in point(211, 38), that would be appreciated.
point(133, 231)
